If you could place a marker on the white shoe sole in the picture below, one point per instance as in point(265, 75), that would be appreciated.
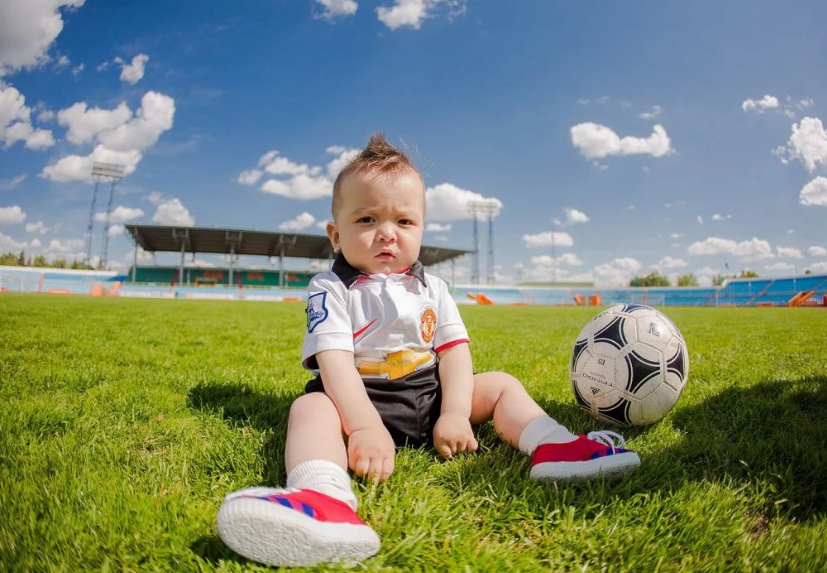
point(607, 466)
point(272, 534)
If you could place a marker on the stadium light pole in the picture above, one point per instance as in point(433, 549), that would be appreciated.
point(112, 172)
point(491, 208)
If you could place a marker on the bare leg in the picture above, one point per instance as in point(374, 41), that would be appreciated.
point(314, 432)
point(501, 397)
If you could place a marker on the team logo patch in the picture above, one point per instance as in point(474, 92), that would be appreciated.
point(316, 310)
point(427, 324)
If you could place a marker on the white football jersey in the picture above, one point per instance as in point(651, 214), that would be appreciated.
point(393, 324)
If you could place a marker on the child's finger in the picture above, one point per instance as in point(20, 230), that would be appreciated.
point(473, 445)
point(444, 450)
point(361, 467)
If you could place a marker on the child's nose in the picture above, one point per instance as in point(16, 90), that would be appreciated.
point(386, 233)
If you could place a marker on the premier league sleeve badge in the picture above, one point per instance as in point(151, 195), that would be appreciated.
point(316, 310)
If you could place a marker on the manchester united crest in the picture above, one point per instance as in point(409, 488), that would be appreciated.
point(427, 324)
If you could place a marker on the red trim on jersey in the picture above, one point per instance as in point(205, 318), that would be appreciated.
point(364, 328)
point(450, 344)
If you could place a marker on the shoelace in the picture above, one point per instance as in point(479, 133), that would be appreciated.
point(608, 438)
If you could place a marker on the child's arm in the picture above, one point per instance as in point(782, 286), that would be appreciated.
point(452, 432)
point(370, 448)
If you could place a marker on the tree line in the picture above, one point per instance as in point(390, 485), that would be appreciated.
point(655, 279)
point(20, 260)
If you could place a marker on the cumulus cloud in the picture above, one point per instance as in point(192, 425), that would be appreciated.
point(27, 30)
point(668, 262)
point(548, 238)
point(753, 250)
point(819, 267)
point(411, 13)
point(16, 124)
point(11, 183)
point(302, 187)
point(437, 228)
point(7, 244)
point(334, 8)
point(344, 155)
point(700, 220)
point(780, 267)
point(116, 230)
point(37, 227)
point(788, 252)
point(119, 141)
point(656, 111)
point(619, 271)
point(808, 144)
point(12, 215)
point(564, 259)
point(814, 193)
point(121, 214)
point(817, 251)
point(718, 217)
point(761, 105)
point(172, 212)
point(250, 176)
point(298, 180)
point(595, 141)
point(447, 202)
point(301, 221)
point(575, 216)
point(133, 72)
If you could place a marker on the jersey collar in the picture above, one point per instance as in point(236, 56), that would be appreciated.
point(348, 274)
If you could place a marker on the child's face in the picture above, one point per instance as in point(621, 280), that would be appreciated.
point(379, 221)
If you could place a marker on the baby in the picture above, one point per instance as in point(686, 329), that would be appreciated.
point(393, 368)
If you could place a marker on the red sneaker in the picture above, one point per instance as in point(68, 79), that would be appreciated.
point(293, 527)
point(586, 457)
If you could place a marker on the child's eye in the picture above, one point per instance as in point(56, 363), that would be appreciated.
point(405, 222)
point(365, 220)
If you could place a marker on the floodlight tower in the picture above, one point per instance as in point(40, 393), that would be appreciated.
point(111, 172)
point(491, 208)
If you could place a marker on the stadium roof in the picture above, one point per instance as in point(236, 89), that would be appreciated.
point(162, 238)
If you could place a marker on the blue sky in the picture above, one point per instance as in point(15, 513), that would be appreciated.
point(645, 134)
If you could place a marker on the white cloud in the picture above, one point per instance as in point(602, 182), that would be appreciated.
point(323, 224)
point(668, 262)
point(816, 251)
point(302, 187)
point(172, 212)
point(62, 61)
point(564, 259)
point(819, 267)
point(301, 221)
point(705, 276)
point(11, 215)
point(45, 116)
point(808, 144)
point(619, 271)
point(38, 228)
point(15, 121)
point(761, 105)
point(595, 141)
point(155, 198)
point(547, 238)
point(676, 235)
point(437, 228)
point(64, 246)
point(8, 244)
point(575, 216)
point(27, 30)
point(700, 220)
point(814, 193)
point(276, 164)
point(78, 68)
point(780, 267)
point(121, 214)
point(717, 217)
point(753, 250)
point(788, 252)
point(85, 124)
point(447, 202)
point(250, 176)
point(133, 72)
point(9, 184)
point(656, 111)
point(122, 144)
point(344, 155)
point(411, 13)
point(334, 8)
point(116, 230)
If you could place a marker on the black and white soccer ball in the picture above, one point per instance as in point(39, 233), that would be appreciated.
point(629, 365)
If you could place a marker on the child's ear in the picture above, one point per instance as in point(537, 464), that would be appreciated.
point(333, 235)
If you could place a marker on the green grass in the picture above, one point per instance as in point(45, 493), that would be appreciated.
point(124, 422)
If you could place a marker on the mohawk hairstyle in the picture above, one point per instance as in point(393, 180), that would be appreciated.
point(379, 157)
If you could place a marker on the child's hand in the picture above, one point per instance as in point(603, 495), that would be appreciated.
point(453, 435)
point(370, 453)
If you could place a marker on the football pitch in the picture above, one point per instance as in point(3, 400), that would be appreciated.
point(123, 422)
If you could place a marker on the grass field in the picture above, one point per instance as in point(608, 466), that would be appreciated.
point(124, 422)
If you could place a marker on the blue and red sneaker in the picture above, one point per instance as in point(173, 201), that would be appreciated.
point(293, 527)
point(599, 454)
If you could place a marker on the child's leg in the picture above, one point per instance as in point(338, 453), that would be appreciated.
point(556, 453)
point(313, 520)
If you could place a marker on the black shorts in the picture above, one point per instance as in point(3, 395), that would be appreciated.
point(409, 406)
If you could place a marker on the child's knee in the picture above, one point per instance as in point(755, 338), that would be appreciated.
point(316, 404)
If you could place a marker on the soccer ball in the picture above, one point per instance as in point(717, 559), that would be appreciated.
point(629, 365)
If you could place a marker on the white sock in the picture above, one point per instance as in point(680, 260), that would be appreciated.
point(325, 477)
point(543, 430)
